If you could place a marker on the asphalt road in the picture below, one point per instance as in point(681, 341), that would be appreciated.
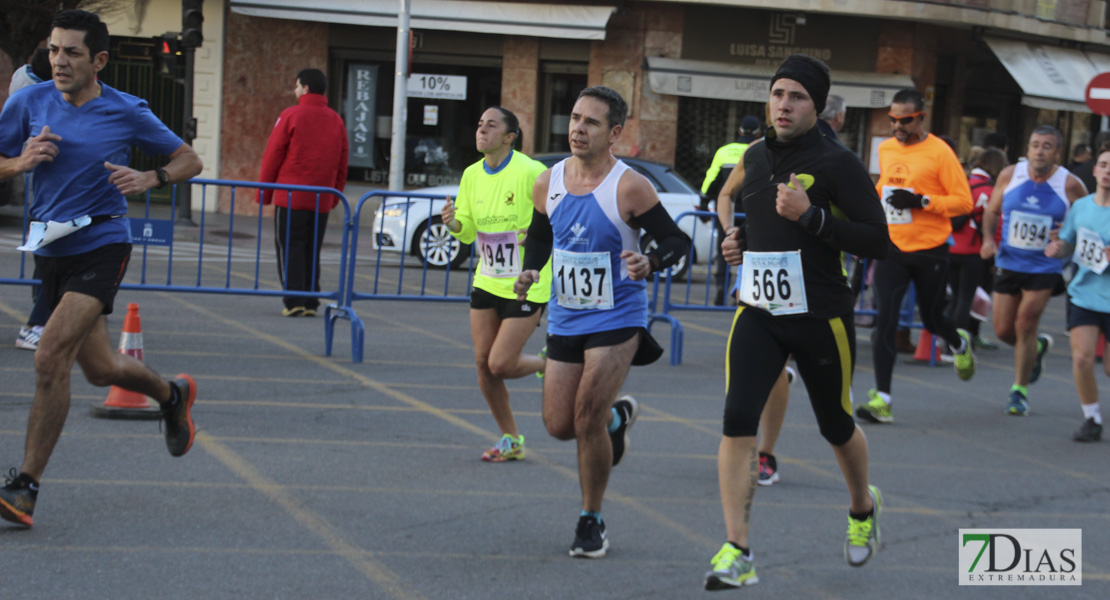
point(315, 477)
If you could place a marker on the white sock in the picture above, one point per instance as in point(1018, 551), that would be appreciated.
point(1090, 411)
point(885, 397)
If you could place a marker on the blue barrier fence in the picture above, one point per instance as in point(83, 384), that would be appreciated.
point(405, 224)
point(170, 261)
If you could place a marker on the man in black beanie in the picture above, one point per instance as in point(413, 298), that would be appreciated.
point(795, 300)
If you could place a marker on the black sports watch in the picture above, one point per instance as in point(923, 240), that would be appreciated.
point(163, 177)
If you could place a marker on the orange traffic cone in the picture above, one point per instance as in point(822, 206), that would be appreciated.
point(121, 403)
point(924, 342)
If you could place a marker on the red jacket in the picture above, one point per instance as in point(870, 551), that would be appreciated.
point(308, 146)
point(969, 238)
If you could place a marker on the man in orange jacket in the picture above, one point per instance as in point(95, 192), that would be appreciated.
point(922, 186)
point(308, 146)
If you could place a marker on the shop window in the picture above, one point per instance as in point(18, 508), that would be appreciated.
point(439, 139)
point(561, 85)
point(704, 125)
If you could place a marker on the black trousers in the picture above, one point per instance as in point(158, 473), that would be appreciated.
point(965, 271)
point(928, 270)
point(298, 236)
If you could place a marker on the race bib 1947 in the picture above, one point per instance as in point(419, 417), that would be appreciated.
point(499, 253)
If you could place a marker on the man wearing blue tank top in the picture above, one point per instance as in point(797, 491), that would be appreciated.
point(1031, 200)
point(589, 210)
point(75, 135)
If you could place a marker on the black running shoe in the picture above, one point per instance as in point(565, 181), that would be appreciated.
point(589, 538)
point(179, 423)
point(17, 500)
point(628, 409)
point(1089, 431)
point(768, 469)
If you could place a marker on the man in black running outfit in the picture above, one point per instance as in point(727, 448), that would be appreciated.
point(807, 199)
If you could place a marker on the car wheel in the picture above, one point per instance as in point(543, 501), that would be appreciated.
point(679, 270)
point(436, 247)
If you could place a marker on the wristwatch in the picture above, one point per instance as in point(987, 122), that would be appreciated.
point(163, 177)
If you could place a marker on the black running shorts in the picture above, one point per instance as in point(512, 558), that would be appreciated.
point(97, 273)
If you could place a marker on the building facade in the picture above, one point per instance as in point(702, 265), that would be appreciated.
point(690, 70)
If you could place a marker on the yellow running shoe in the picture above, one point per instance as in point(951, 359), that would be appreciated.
point(731, 569)
point(507, 448)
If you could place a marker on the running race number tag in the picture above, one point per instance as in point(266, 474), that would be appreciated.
point(583, 280)
point(499, 253)
point(773, 281)
point(895, 216)
point(1028, 231)
point(1089, 251)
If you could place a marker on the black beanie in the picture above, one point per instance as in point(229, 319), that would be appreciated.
point(811, 73)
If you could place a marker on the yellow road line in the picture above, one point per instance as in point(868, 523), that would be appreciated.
point(332, 538)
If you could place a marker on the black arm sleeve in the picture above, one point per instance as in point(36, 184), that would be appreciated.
point(537, 244)
point(671, 243)
point(863, 231)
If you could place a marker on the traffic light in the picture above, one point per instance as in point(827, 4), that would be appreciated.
point(192, 21)
point(164, 55)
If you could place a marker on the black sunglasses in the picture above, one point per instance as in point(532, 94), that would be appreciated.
point(907, 119)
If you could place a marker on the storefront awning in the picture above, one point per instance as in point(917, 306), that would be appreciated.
point(542, 20)
point(749, 83)
point(1052, 78)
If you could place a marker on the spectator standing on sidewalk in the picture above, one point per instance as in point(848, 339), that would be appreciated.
point(308, 146)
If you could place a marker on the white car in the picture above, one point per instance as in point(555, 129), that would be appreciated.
point(412, 224)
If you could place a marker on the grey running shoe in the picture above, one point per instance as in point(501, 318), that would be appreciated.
point(965, 361)
point(862, 541)
point(875, 409)
point(731, 569)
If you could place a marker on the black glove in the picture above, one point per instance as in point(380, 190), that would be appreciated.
point(903, 199)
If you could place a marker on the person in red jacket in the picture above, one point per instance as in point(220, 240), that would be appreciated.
point(308, 146)
point(967, 271)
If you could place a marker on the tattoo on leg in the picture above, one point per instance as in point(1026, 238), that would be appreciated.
point(749, 493)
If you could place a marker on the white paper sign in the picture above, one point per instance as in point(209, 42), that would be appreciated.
point(40, 234)
point(437, 87)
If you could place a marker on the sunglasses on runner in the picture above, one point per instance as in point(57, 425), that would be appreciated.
point(906, 120)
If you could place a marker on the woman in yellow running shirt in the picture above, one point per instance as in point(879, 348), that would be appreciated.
point(493, 211)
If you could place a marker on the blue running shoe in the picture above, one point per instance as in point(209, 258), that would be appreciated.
point(1019, 405)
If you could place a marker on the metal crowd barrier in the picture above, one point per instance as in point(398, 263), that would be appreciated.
point(417, 211)
point(165, 249)
point(420, 211)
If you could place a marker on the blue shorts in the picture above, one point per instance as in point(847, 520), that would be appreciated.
point(1077, 316)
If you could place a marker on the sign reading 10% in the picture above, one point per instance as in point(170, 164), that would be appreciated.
point(439, 87)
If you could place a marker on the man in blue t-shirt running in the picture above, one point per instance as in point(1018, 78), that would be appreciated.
point(74, 134)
